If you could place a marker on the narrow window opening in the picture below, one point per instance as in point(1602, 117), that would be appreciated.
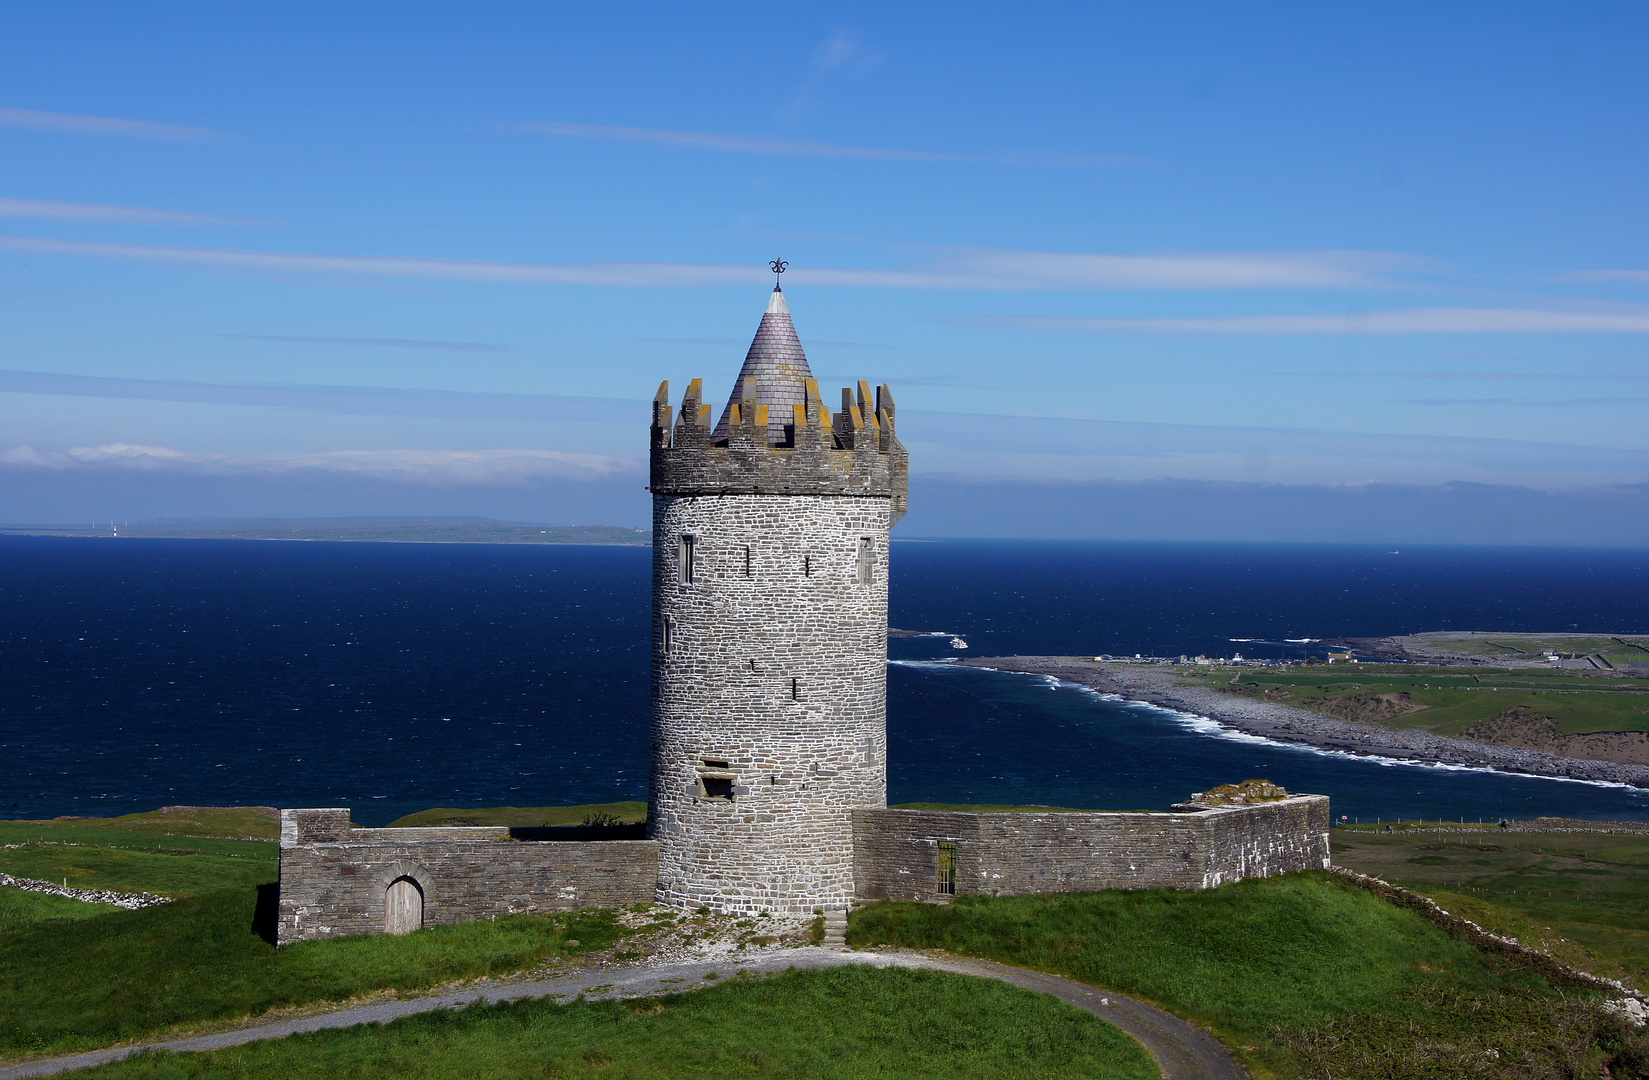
point(795, 689)
point(687, 556)
point(668, 633)
point(718, 787)
point(712, 763)
point(807, 566)
point(867, 562)
point(947, 868)
point(747, 560)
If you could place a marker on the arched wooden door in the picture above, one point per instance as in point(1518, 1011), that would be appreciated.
point(403, 906)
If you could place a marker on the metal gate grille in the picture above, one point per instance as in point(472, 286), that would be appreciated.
point(947, 867)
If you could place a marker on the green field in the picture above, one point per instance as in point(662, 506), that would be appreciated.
point(1268, 964)
point(1448, 701)
point(19, 909)
point(242, 822)
point(523, 816)
point(849, 1022)
point(1582, 896)
point(208, 958)
point(1618, 650)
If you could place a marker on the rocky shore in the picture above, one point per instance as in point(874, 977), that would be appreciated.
point(1284, 723)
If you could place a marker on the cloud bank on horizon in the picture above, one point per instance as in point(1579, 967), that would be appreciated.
point(1087, 248)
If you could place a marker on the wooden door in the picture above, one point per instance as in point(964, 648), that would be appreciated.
point(403, 906)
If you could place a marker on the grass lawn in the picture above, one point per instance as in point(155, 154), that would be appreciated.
point(1266, 963)
point(1444, 700)
point(523, 816)
point(844, 1023)
point(19, 909)
point(163, 872)
point(93, 982)
point(1584, 896)
point(243, 822)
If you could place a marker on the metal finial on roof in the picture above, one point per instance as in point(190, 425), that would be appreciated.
point(778, 266)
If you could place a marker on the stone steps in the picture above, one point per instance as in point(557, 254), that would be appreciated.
point(835, 928)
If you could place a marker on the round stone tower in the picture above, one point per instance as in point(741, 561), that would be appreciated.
point(770, 574)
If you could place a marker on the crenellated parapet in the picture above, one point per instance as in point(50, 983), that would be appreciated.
point(810, 451)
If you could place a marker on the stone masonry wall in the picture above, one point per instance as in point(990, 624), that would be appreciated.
point(896, 851)
point(770, 686)
point(337, 886)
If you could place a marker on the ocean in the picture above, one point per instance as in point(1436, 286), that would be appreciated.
point(395, 677)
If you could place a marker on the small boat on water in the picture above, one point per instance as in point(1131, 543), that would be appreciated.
point(958, 643)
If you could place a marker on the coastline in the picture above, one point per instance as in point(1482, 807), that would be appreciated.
point(1285, 723)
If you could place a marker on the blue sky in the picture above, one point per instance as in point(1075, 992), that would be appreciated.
point(427, 251)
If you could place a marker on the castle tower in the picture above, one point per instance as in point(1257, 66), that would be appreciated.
point(770, 574)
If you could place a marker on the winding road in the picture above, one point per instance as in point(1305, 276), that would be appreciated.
point(1183, 1052)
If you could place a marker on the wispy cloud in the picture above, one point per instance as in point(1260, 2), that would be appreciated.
point(632, 274)
point(1470, 376)
point(962, 269)
point(120, 215)
point(1439, 320)
point(750, 144)
point(72, 124)
point(439, 468)
point(1532, 403)
point(1063, 271)
point(1639, 276)
point(374, 342)
point(345, 400)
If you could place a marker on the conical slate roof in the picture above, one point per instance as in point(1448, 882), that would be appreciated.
point(778, 365)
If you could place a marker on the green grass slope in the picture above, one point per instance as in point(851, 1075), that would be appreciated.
point(1259, 962)
point(1582, 896)
point(169, 872)
point(97, 981)
point(842, 1023)
point(1444, 700)
point(243, 822)
point(19, 909)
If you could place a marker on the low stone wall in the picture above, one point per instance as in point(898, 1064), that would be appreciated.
point(897, 852)
point(335, 880)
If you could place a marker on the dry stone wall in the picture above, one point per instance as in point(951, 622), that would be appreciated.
point(897, 854)
point(335, 881)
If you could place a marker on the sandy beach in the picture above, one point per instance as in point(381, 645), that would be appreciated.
point(1284, 723)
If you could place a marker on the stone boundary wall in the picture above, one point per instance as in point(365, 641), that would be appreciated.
point(334, 879)
point(896, 852)
point(1536, 960)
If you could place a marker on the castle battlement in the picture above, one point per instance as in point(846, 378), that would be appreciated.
point(776, 436)
point(784, 449)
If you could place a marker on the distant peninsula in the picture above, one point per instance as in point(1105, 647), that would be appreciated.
point(394, 530)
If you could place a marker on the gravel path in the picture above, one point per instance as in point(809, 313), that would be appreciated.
point(1284, 723)
point(1182, 1051)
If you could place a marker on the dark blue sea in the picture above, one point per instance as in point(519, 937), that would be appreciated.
point(395, 677)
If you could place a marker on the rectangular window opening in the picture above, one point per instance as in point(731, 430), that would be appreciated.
point(867, 564)
point(668, 633)
point(717, 787)
point(795, 689)
point(747, 560)
point(807, 566)
point(712, 763)
point(687, 556)
point(947, 868)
